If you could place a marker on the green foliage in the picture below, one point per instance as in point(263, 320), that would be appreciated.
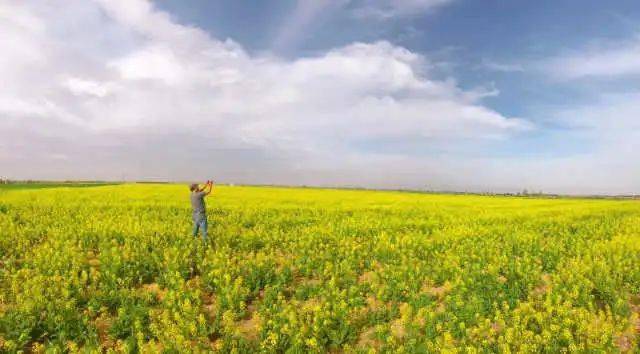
point(115, 269)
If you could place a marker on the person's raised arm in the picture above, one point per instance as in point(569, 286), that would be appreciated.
point(210, 185)
point(204, 186)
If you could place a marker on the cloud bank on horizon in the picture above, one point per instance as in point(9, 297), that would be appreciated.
point(121, 89)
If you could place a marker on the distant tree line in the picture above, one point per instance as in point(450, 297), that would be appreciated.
point(10, 181)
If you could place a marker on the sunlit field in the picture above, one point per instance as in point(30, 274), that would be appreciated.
point(115, 268)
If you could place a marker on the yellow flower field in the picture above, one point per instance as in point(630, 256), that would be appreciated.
point(115, 269)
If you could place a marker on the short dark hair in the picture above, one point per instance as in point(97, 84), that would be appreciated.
point(193, 187)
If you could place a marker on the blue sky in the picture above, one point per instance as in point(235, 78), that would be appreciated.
point(436, 94)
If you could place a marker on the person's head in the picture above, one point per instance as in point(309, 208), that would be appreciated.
point(193, 187)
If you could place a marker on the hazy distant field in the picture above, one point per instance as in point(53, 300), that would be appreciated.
point(309, 270)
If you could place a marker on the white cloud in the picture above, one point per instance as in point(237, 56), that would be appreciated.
point(386, 9)
point(605, 60)
point(87, 87)
point(124, 88)
point(502, 67)
point(151, 63)
point(609, 113)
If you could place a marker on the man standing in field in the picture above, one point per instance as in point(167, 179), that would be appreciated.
point(199, 208)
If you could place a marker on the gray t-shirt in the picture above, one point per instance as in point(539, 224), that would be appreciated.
point(197, 203)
